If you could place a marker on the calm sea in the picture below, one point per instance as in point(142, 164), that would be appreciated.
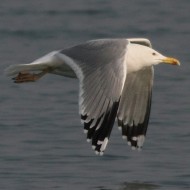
point(42, 145)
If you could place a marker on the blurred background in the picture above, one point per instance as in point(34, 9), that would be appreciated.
point(42, 145)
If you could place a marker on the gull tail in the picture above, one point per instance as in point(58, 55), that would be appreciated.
point(15, 69)
point(35, 70)
point(41, 64)
point(23, 73)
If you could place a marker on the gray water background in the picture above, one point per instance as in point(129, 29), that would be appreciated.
point(42, 145)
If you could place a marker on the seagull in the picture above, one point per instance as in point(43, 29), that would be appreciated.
point(115, 83)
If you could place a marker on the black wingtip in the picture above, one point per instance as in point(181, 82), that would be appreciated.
point(98, 131)
point(135, 134)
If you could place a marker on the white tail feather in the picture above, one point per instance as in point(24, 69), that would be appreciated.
point(15, 69)
point(40, 64)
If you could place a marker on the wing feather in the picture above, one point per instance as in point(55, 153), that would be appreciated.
point(102, 76)
point(134, 108)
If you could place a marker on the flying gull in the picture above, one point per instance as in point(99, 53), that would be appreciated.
point(115, 81)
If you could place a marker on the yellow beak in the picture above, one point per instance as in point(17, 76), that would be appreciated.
point(171, 61)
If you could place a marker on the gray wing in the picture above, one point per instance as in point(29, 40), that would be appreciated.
point(99, 65)
point(134, 108)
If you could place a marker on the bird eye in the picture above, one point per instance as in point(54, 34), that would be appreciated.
point(153, 53)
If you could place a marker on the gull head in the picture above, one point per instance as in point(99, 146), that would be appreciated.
point(139, 56)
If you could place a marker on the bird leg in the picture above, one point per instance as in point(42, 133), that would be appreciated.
point(29, 77)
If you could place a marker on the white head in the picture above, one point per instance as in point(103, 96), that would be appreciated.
point(139, 56)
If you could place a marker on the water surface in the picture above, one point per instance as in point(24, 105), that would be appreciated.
point(41, 141)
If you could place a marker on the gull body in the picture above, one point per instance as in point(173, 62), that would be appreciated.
point(115, 81)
